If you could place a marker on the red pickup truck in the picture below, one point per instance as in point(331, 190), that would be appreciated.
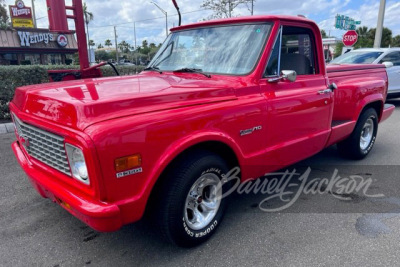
point(249, 92)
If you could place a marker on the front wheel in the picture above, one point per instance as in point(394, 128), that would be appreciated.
point(361, 141)
point(190, 206)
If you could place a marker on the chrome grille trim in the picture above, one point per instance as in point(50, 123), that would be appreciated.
point(43, 146)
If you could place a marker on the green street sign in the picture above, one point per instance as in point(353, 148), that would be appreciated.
point(345, 23)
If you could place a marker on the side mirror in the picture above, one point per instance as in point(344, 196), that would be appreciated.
point(387, 64)
point(289, 75)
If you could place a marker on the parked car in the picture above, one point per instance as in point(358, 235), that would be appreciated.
point(126, 62)
point(390, 57)
point(247, 92)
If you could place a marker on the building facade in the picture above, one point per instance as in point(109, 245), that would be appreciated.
point(36, 46)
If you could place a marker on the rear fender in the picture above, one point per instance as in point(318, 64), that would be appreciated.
point(366, 101)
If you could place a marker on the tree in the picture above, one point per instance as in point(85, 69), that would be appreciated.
point(396, 41)
point(323, 33)
point(102, 55)
point(223, 8)
point(124, 47)
point(100, 46)
point(4, 23)
point(338, 49)
point(144, 49)
point(88, 15)
point(91, 43)
point(364, 39)
point(108, 43)
point(386, 36)
point(362, 31)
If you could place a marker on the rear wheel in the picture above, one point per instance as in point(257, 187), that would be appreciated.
point(360, 142)
point(191, 207)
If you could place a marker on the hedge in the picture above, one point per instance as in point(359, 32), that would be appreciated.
point(12, 77)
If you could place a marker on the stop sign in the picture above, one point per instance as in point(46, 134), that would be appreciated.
point(350, 38)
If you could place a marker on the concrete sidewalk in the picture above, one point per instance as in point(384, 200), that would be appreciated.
point(6, 128)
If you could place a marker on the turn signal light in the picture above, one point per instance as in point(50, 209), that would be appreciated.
point(129, 162)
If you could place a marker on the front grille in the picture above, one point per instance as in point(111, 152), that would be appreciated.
point(43, 146)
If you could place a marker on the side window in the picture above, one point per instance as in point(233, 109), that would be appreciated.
point(296, 52)
point(393, 57)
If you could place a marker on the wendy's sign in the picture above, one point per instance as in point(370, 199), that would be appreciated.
point(21, 16)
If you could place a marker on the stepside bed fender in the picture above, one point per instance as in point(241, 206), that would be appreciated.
point(374, 100)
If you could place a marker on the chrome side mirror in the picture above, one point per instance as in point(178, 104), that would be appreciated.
point(289, 75)
point(387, 64)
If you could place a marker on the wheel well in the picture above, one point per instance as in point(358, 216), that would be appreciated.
point(377, 105)
point(219, 148)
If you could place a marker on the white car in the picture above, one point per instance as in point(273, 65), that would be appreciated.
point(390, 57)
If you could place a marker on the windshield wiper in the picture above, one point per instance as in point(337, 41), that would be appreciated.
point(154, 68)
point(193, 70)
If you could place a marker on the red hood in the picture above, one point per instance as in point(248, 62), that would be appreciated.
point(80, 103)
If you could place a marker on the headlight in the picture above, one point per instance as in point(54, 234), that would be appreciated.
point(77, 163)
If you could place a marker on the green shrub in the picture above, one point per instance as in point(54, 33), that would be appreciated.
point(25, 62)
point(12, 77)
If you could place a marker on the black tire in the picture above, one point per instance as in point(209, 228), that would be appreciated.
point(352, 147)
point(171, 206)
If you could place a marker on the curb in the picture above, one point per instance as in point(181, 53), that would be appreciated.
point(6, 128)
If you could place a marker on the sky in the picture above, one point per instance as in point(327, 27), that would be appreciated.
point(150, 21)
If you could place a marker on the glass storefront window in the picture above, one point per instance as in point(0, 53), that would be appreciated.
point(34, 59)
point(8, 59)
point(54, 59)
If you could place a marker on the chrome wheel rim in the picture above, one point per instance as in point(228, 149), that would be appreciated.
point(366, 134)
point(203, 201)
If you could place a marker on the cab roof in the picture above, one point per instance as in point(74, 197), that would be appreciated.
point(238, 20)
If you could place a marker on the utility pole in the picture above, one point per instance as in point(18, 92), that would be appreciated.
point(166, 17)
point(379, 26)
point(229, 7)
point(88, 39)
point(33, 14)
point(252, 7)
point(116, 43)
point(134, 32)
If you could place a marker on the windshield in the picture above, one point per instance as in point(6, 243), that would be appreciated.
point(223, 50)
point(357, 57)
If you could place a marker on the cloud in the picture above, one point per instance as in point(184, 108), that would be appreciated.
point(150, 21)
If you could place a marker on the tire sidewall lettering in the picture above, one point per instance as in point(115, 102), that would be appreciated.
point(202, 233)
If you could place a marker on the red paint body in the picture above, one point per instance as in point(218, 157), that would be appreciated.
point(159, 116)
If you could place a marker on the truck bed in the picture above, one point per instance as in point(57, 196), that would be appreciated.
point(356, 84)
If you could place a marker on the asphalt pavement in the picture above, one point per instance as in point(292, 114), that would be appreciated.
point(333, 229)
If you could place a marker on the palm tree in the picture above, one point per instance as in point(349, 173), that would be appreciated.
point(108, 43)
point(362, 31)
point(88, 17)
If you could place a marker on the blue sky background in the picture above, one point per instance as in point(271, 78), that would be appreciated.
point(150, 21)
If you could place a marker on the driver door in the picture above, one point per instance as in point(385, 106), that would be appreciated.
point(299, 112)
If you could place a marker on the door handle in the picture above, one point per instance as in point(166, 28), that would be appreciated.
point(326, 91)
